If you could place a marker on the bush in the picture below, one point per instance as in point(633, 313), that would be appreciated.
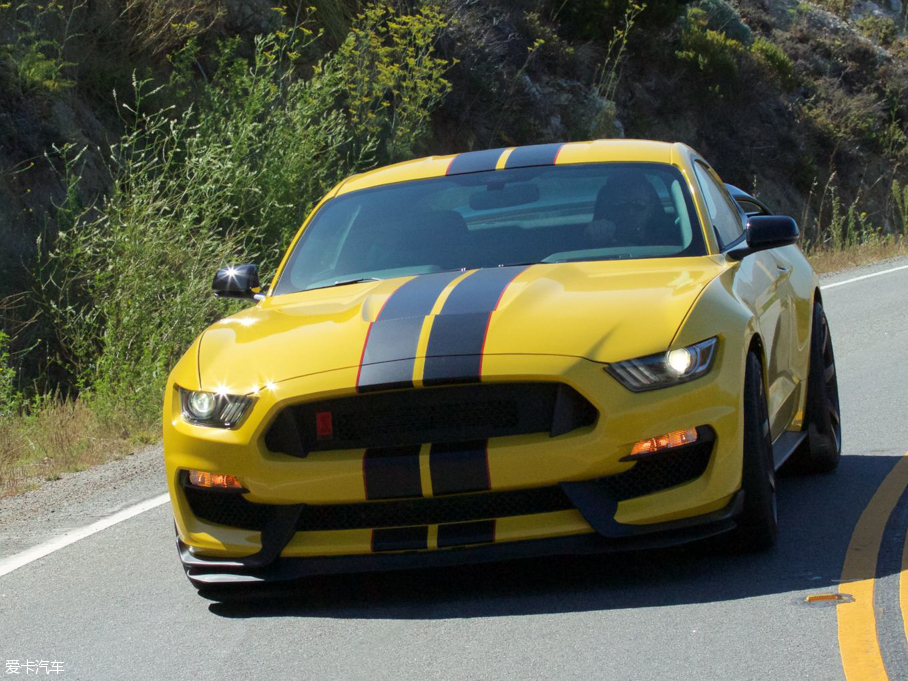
point(775, 60)
point(878, 28)
point(9, 395)
point(162, 26)
point(842, 117)
point(35, 41)
point(226, 180)
point(900, 196)
point(713, 53)
point(392, 77)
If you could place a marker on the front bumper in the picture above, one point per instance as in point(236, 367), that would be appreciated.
point(610, 537)
point(521, 462)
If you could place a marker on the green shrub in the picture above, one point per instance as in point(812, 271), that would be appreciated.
point(38, 34)
point(842, 117)
point(225, 180)
point(9, 395)
point(841, 8)
point(900, 197)
point(714, 54)
point(878, 28)
point(163, 26)
point(392, 77)
point(775, 60)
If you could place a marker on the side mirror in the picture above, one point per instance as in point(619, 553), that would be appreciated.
point(764, 232)
point(241, 281)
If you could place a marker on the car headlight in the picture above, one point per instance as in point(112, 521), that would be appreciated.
point(665, 368)
point(216, 410)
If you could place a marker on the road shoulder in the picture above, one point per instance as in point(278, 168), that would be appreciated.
point(78, 499)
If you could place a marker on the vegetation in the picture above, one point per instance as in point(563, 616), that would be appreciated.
point(144, 143)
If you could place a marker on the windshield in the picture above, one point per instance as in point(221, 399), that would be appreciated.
point(502, 217)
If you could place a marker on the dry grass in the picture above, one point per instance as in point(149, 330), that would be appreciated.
point(826, 261)
point(60, 436)
point(162, 26)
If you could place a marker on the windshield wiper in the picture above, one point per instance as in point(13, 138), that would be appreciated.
point(344, 282)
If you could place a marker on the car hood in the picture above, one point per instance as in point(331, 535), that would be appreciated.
point(602, 311)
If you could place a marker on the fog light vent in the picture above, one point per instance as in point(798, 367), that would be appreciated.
point(213, 480)
point(677, 438)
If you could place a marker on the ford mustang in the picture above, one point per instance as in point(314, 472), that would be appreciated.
point(550, 349)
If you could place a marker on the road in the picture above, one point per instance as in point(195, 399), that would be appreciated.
point(116, 605)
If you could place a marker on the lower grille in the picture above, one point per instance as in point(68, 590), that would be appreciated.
point(233, 510)
point(662, 471)
point(647, 476)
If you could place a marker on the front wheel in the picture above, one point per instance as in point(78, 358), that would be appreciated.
point(821, 451)
point(758, 522)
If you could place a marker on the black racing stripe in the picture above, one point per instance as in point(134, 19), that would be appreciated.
point(474, 161)
point(390, 348)
point(457, 467)
point(392, 472)
point(890, 626)
point(458, 332)
point(416, 297)
point(386, 376)
point(400, 539)
point(455, 348)
point(462, 534)
point(536, 155)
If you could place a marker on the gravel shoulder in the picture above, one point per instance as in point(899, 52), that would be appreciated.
point(79, 499)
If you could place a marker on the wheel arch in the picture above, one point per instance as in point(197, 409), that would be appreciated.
point(756, 347)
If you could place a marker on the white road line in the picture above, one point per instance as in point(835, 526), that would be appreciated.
point(866, 276)
point(7, 565)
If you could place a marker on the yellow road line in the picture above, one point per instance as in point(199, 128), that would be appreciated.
point(903, 589)
point(858, 642)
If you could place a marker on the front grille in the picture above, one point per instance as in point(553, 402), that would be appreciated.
point(233, 510)
point(436, 415)
point(364, 425)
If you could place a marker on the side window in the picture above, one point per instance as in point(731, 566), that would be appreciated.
point(726, 219)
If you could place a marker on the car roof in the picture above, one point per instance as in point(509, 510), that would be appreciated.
point(598, 151)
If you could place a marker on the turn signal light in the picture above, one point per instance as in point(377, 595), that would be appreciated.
point(213, 480)
point(657, 444)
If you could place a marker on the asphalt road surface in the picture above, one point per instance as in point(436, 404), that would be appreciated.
point(116, 605)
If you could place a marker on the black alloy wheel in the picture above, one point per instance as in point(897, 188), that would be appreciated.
point(758, 522)
point(822, 450)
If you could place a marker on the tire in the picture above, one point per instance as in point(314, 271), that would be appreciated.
point(758, 522)
point(821, 451)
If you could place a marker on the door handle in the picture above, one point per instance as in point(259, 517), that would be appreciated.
point(783, 268)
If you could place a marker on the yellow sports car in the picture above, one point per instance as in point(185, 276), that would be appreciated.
point(560, 348)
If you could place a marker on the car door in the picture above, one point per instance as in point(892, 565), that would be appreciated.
point(796, 304)
point(762, 283)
